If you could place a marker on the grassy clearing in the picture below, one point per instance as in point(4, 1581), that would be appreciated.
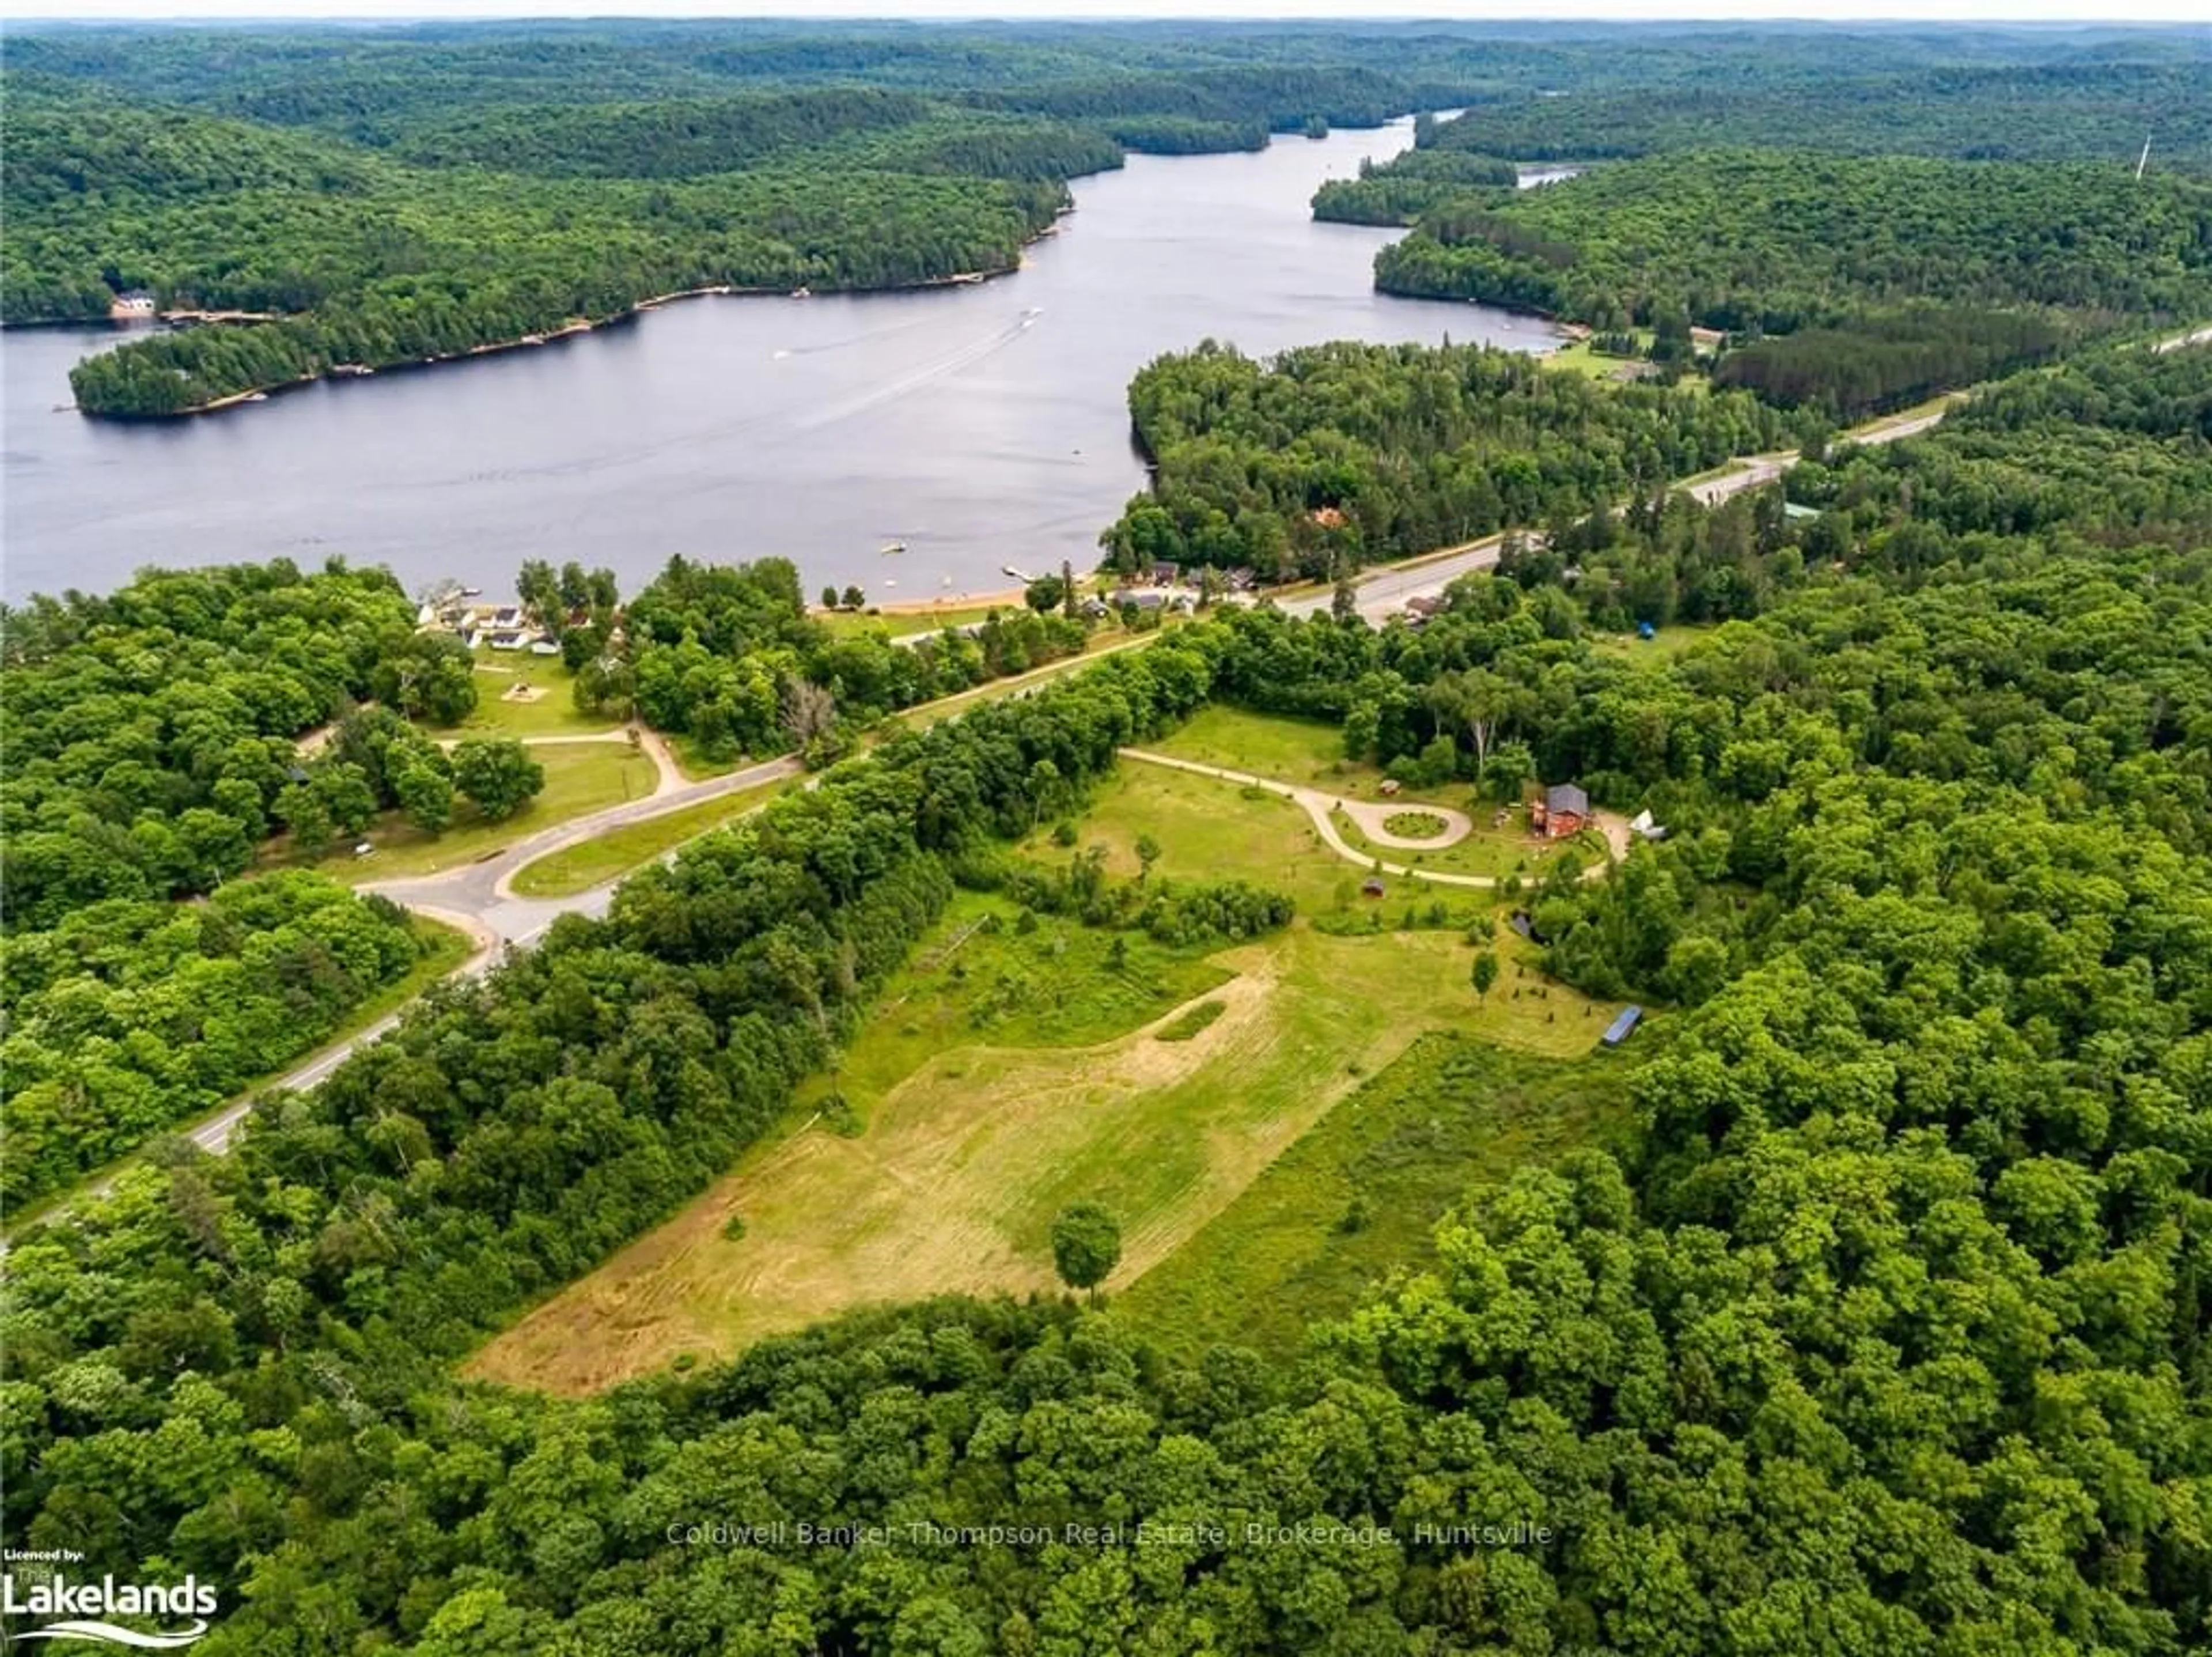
point(976, 1136)
point(443, 948)
point(905, 623)
point(591, 862)
point(1577, 357)
point(1206, 828)
point(1303, 751)
point(1667, 643)
point(579, 777)
point(551, 710)
point(983, 977)
point(1493, 850)
point(1359, 1196)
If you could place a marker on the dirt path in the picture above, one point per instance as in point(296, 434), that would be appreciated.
point(1373, 818)
point(1322, 809)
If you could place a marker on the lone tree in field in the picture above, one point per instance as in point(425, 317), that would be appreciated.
point(1148, 853)
point(1485, 973)
point(498, 774)
point(1086, 1246)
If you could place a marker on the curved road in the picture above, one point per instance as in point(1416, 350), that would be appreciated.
point(1387, 591)
point(1321, 808)
point(479, 898)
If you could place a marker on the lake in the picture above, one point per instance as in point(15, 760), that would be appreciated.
point(982, 425)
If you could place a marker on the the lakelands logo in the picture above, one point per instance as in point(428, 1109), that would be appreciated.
point(75, 1610)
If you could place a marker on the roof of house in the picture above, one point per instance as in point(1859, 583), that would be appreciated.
point(1566, 797)
point(1617, 1031)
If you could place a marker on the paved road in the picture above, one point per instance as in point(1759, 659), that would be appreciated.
point(479, 897)
point(1387, 591)
point(482, 892)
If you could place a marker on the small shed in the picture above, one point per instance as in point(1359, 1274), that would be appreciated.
point(1618, 1030)
point(1372, 887)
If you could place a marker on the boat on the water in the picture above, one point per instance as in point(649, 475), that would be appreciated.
point(889, 547)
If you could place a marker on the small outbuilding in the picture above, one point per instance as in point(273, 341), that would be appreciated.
point(1620, 1029)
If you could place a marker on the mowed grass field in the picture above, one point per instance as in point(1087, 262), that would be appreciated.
point(550, 709)
point(591, 862)
point(1303, 751)
point(1666, 643)
point(1006, 1073)
point(1492, 849)
point(579, 777)
point(902, 623)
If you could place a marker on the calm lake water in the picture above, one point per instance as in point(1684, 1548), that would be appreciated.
point(982, 425)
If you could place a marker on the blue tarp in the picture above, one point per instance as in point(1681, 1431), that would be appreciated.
point(1617, 1031)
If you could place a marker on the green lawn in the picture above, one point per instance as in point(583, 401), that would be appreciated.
point(1669, 642)
point(980, 978)
point(905, 623)
point(1208, 829)
point(590, 862)
point(579, 777)
point(551, 712)
point(1490, 851)
point(1303, 750)
point(1577, 357)
point(443, 948)
point(1359, 1196)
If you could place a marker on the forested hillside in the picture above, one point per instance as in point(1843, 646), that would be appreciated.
point(1776, 240)
point(2093, 105)
point(419, 193)
point(1331, 456)
point(1888, 1335)
point(151, 738)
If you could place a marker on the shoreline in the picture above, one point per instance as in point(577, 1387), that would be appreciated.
point(569, 330)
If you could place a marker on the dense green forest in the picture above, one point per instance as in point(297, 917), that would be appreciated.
point(2100, 106)
point(1776, 240)
point(420, 192)
point(721, 654)
point(150, 733)
point(1403, 188)
point(135, 1015)
point(1887, 1336)
point(1331, 456)
point(150, 738)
